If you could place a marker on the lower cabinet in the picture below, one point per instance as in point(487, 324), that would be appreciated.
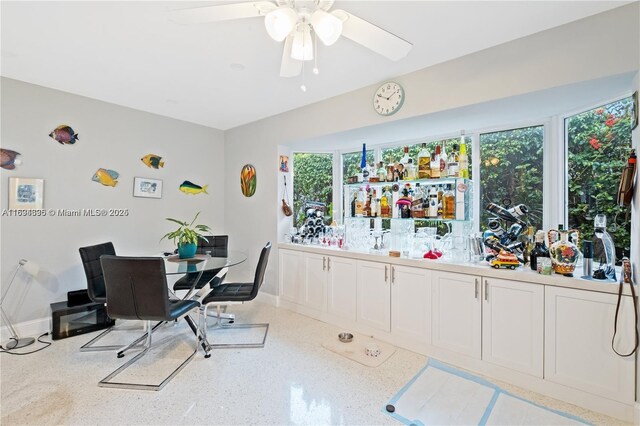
point(374, 295)
point(457, 313)
point(341, 287)
point(314, 293)
point(513, 325)
point(411, 303)
point(578, 332)
point(290, 266)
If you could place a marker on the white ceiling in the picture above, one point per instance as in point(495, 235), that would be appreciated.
point(130, 54)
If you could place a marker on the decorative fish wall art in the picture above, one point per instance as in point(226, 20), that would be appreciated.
point(193, 189)
point(248, 180)
point(152, 161)
point(64, 135)
point(8, 159)
point(106, 177)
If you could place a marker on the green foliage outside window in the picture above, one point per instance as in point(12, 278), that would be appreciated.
point(511, 169)
point(351, 163)
point(599, 143)
point(312, 181)
point(396, 153)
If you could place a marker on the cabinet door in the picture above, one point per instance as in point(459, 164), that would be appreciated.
point(291, 276)
point(315, 282)
point(456, 314)
point(341, 287)
point(513, 325)
point(578, 331)
point(374, 295)
point(411, 303)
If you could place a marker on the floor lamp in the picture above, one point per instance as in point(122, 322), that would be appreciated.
point(16, 342)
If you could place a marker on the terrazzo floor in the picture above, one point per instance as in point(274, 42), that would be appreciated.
point(292, 380)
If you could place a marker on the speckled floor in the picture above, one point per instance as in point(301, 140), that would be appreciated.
point(292, 380)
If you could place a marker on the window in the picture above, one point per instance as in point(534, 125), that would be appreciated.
point(312, 182)
point(351, 163)
point(598, 143)
point(511, 171)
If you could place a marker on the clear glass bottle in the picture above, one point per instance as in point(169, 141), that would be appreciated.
point(405, 158)
point(411, 170)
point(444, 162)
point(463, 163)
point(424, 163)
point(382, 172)
point(360, 199)
point(433, 203)
point(390, 169)
point(448, 203)
point(454, 162)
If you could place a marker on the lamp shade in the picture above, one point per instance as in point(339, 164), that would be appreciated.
point(280, 22)
point(30, 267)
point(302, 47)
point(327, 27)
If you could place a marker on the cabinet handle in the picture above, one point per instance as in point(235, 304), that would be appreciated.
point(393, 275)
point(486, 290)
point(476, 296)
point(328, 263)
point(386, 273)
point(324, 263)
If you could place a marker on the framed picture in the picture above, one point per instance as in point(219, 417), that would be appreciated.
point(147, 188)
point(26, 193)
point(634, 110)
point(284, 163)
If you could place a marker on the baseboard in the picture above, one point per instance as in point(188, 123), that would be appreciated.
point(267, 298)
point(32, 328)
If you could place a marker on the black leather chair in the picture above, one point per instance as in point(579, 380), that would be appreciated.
point(90, 256)
point(136, 289)
point(232, 293)
point(215, 246)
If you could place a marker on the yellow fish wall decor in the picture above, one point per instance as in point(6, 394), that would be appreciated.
point(152, 161)
point(248, 180)
point(106, 177)
point(193, 189)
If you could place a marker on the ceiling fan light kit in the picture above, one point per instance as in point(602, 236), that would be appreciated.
point(280, 22)
point(327, 27)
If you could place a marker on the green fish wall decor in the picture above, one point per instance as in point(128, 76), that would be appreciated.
point(193, 189)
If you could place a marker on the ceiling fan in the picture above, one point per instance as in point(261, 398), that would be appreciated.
point(294, 22)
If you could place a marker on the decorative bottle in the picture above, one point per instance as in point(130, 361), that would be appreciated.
point(564, 253)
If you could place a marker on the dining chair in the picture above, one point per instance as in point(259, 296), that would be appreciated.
point(215, 246)
point(237, 293)
point(90, 256)
point(136, 289)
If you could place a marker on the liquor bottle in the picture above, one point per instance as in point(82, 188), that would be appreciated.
point(433, 203)
point(363, 164)
point(374, 204)
point(382, 173)
point(463, 164)
point(390, 169)
point(448, 203)
point(440, 194)
point(367, 205)
point(411, 171)
point(353, 204)
point(444, 163)
point(504, 214)
point(454, 162)
point(405, 158)
point(424, 163)
point(435, 163)
point(385, 202)
point(360, 202)
point(539, 251)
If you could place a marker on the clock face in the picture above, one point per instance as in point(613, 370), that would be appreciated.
point(388, 98)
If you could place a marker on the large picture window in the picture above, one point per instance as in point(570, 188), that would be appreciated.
point(312, 182)
point(511, 171)
point(598, 145)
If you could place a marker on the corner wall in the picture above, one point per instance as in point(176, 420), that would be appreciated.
point(560, 56)
point(110, 137)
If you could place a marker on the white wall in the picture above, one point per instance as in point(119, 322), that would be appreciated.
point(111, 137)
point(593, 48)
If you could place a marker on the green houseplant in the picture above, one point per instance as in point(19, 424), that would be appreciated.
point(186, 236)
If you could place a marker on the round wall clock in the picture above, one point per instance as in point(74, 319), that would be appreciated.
point(389, 98)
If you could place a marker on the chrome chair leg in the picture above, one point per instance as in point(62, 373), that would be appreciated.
point(231, 327)
point(122, 350)
point(88, 347)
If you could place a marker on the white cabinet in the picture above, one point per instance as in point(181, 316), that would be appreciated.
point(374, 295)
point(411, 303)
point(513, 325)
point(456, 313)
point(291, 275)
point(315, 281)
point(578, 331)
point(341, 287)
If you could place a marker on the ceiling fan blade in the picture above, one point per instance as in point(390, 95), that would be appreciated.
point(373, 37)
point(225, 12)
point(289, 67)
point(324, 4)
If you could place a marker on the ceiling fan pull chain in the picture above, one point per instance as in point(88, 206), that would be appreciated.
point(316, 71)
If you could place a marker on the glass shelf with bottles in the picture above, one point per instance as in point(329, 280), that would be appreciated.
point(444, 200)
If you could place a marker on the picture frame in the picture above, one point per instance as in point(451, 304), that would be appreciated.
point(634, 110)
point(26, 193)
point(283, 164)
point(147, 187)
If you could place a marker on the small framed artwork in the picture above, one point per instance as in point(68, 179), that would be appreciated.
point(634, 110)
point(147, 188)
point(284, 163)
point(26, 193)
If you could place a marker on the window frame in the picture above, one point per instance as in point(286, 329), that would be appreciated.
point(337, 209)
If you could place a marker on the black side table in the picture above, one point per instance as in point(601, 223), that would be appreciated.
point(78, 319)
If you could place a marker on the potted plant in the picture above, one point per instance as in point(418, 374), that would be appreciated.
point(186, 236)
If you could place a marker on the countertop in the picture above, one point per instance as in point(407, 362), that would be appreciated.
point(482, 269)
